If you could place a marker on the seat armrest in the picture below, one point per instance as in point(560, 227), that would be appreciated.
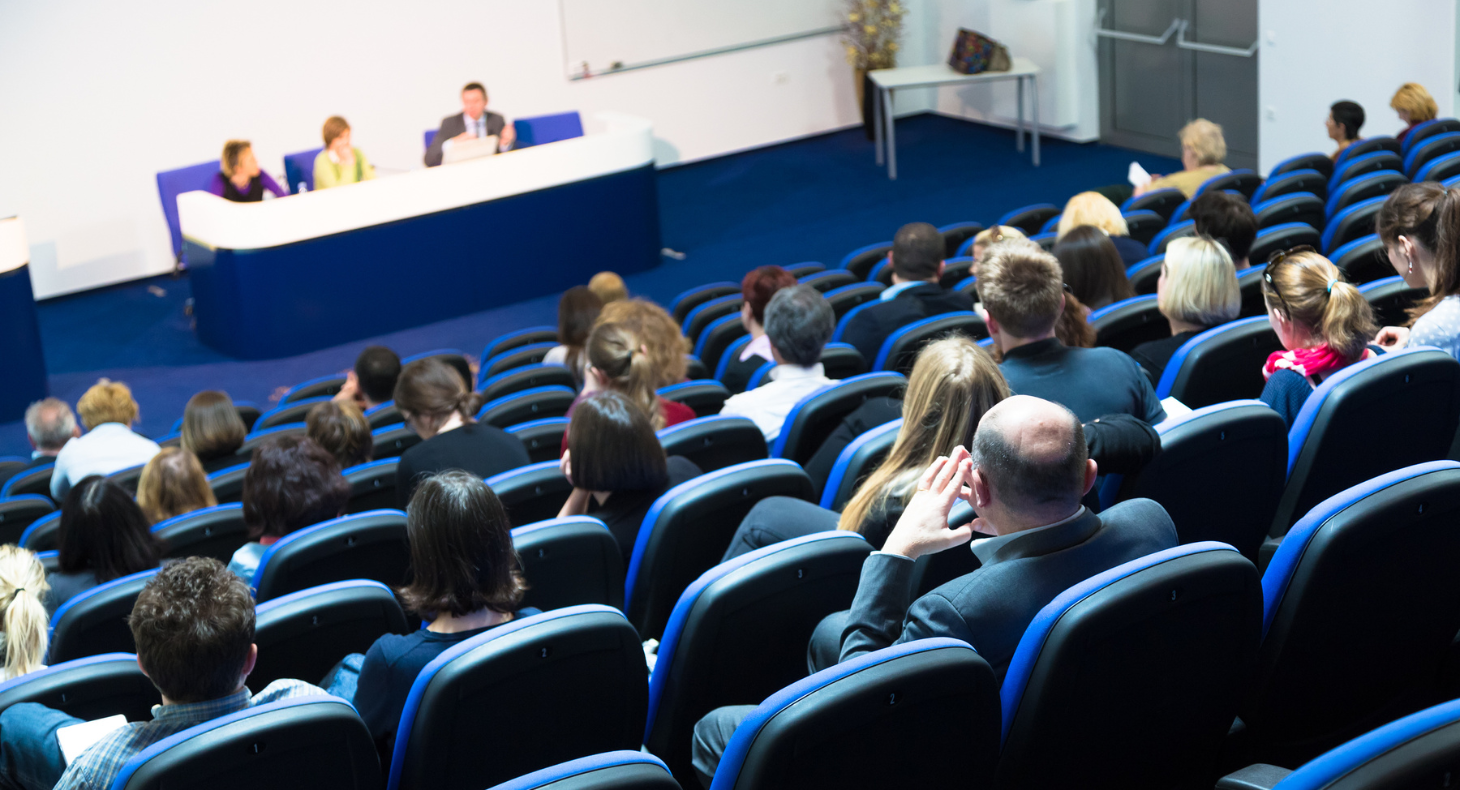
point(1254, 777)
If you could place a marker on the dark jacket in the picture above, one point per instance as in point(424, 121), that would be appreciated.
point(1154, 354)
point(1091, 382)
point(738, 372)
point(870, 327)
point(478, 448)
point(1131, 251)
point(1019, 574)
point(453, 125)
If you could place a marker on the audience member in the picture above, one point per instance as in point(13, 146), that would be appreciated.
point(1228, 219)
point(339, 162)
point(1096, 210)
point(620, 362)
point(438, 406)
point(617, 466)
point(173, 483)
point(342, 430)
point(1345, 118)
point(609, 287)
point(372, 382)
point(239, 178)
point(1025, 477)
point(952, 384)
point(1420, 228)
point(1322, 320)
point(1202, 151)
point(917, 263)
point(989, 237)
point(212, 430)
point(109, 445)
point(1092, 267)
point(1024, 296)
point(473, 122)
point(577, 310)
point(103, 535)
point(1197, 291)
point(464, 582)
point(291, 483)
point(24, 622)
point(194, 627)
point(49, 425)
point(757, 288)
point(658, 334)
point(1073, 326)
point(799, 321)
point(1414, 105)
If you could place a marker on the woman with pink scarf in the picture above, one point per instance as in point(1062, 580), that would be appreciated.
point(1323, 321)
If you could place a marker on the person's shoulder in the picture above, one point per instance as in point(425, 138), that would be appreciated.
point(675, 412)
point(1144, 515)
point(286, 688)
point(681, 469)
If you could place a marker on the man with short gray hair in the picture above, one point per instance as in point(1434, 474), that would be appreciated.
point(49, 424)
point(798, 321)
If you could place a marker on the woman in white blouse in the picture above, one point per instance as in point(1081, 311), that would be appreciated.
point(1419, 226)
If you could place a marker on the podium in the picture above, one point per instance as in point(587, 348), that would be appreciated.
point(296, 274)
point(20, 331)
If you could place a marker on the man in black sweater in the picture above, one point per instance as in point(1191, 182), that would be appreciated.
point(917, 263)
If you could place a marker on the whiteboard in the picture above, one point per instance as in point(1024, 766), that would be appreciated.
point(605, 36)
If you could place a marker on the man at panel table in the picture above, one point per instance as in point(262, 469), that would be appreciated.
point(472, 122)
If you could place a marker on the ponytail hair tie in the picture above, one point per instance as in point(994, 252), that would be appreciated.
point(1331, 281)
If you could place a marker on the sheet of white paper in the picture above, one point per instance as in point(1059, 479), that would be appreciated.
point(1137, 175)
point(1174, 408)
point(78, 738)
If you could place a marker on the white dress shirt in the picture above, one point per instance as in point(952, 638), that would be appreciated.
point(768, 404)
point(109, 447)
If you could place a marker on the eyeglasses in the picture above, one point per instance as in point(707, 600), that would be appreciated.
point(1272, 263)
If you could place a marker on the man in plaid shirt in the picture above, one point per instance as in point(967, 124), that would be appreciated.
point(194, 626)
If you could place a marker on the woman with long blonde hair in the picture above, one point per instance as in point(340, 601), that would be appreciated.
point(23, 590)
point(953, 383)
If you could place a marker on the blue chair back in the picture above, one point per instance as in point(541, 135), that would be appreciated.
point(216, 532)
point(856, 461)
point(833, 728)
point(531, 493)
point(620, 770)
point(848, 316)
point(305, 633)
point(1241, 181)
point(1351, 223)
point(815, 416)
point(427, 137)
point(19, 512)
point(1175, 230)
point(1101, 666)
point(95, 621)
point(1360, 596)
point(1304, 207)
point(1143, 225)
point(574, 680)
point(170, 184)
point(1314, 182)
point(1348, 169)
point(321, 385)
point(570, 561)
point(1050, 225)
point(520, 337)
point(40, 534)
point(715, 442)
point(36, 480)
point(1129, 323)
point(826, 280)
point(1441, 168)
point(88, 688)
point(958, 234)
point(369, 545)
point(688, 300)
point(1030, 219)
point(1161, 201)
point(1367, 145)
point(1408, 752)
point(543, 438)
point(1362, 187)
point(861, 260)
point(530, 404)
point(1313, 161)
point(227, 483)
point(1426, 130)
point(900, 350)
point(1221, 364)
point(1363, 260)
point(1429, 148)
point(540, 129)
point(299, 170)
point(1279, 237)
point(1144, 274)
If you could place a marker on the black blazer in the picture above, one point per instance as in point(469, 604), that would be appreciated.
point(478, 448)
point(738, 373)
point(870, 327)
point(1019, 574)
point(453, 125)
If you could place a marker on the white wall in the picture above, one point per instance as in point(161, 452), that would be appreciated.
point(1312, 57)
point(99, 96)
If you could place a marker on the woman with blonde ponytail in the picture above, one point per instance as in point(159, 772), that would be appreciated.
point(437, 405)
point(23, 589)
point(1419, 226)
point(1322, 320)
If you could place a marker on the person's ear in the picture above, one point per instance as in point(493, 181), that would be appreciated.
point(143, 669)
point(992, 324)
point(1407, 244)
point(746, 314)
point(1091, 470)
point(982, 494)
point(75, 431)
point(253, 657)
point(941, 266)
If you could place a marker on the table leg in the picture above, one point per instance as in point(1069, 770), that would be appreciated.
point(1019, 128)
point(1034, 91)
point(877, 119)
point(891, 134)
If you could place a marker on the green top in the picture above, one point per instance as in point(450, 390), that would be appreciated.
point(328, 174)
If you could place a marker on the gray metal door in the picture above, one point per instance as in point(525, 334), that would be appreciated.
point(1165, 62)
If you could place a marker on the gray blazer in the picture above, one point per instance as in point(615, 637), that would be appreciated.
point(453, 125)
point(1021, 572)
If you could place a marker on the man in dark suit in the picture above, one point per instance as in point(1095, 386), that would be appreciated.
point(1025, 477)
point(472, 122)
point(917, 263)
point(49, 424)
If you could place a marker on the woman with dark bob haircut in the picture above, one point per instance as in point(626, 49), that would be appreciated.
point(1093, 268)
point(617, 466)
point(465, 581)
point(291, 483)
point(103, 536)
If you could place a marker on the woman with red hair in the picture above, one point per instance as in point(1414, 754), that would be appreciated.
point(757, 288)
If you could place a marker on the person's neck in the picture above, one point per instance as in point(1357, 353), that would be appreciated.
point(166, 700)
point(1241, 264)
point(1008, 342)
point(476, 117)
point(898, 280)
point(240, 180)
point(1178, 326)
point(453, 422)
point(448, 623)
point(1007, 523)
point(48, 453)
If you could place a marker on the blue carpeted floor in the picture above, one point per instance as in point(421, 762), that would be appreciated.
point(810, 200)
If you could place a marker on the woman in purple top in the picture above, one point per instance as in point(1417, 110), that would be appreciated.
point(240, 179)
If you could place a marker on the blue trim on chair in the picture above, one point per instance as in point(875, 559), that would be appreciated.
point(505, 399)
point(433, 353)
point(674, 628)
point(844, 459)
point(1102, 312)
point(1051, 225)
point(667, 432)
point(312, 401)
point(1110, 489)
point(546, 345)
point(522, 426)
point(705, 333)
point(1424, 172)
point(877, 270)
point(1350, 246)
point(670, 389)
point(377, 408)
point(1278, 167)
point(30, 498)
point(903, 331)
point(97, 590)
point(966, 248)
point(1181, 214)
point(759, 376)
point(1203, 187)
point(177, 426)
point(1323, 770)
point(846, 319)
point(779, 449)
point(494, 342)
point(579, 767)
point(1336, 195)
point(1258, 208)
point(502, 477)
point(1032, 643)
point(1413, 153)
point(244, 465)
point(1140, 266)
point(304, 532)
point(1154, 248)
point(285, 426)
point(513, 372)
point(746, 733)
point(966, 281)
point(846, 259)
point(732, 352)
point(1333, 222)
point(193, 514)
point(1261, 192)
point(5, 490)
point(702, 306)
point(1280, 568)
point(299, 595)
point(528, 529)
point(682, 295)
point(1004, 220)
point(1409, 139)
point(65, 666)
point(1343, 164)
point(1173, 366)
point(54, 515)
point(1380, 283)
point(646, 528)
point(1303, 423)
point(428, 673)
point(1126, 206)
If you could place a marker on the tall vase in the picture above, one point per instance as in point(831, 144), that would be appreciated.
point(866, 94)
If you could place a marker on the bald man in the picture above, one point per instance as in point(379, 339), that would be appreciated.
point(1027, 472)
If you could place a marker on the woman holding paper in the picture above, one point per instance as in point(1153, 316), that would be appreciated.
point(1202, 150)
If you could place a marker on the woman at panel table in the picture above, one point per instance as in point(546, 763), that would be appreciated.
point(239, 178)
point(339, 162)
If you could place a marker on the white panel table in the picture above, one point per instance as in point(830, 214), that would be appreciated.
point(889, 81)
